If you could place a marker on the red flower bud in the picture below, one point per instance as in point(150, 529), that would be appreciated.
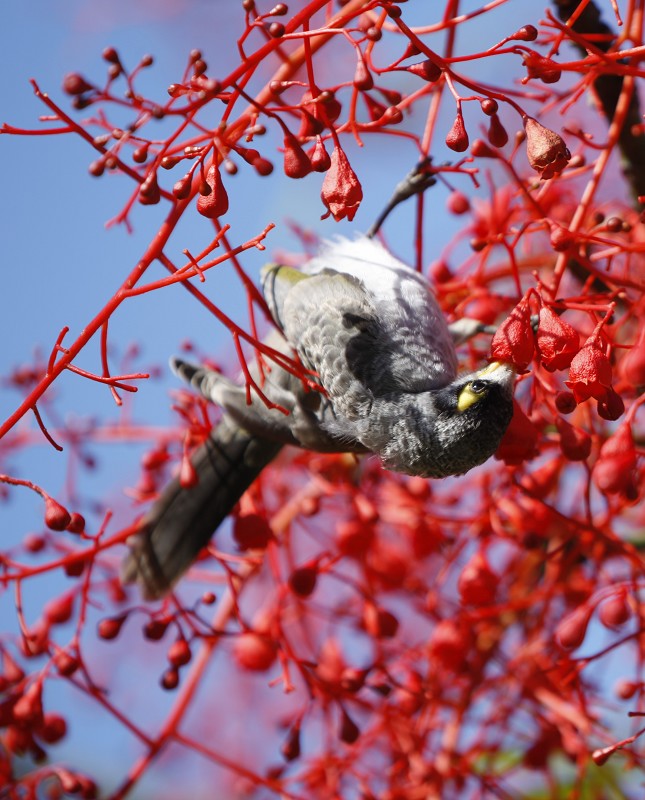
point(363, 79)
point(613, 472)
point(615, 611)
point(514, 339)
point(154, 629)
point(57, 517)
point(76, 523)
point(29, 708)
point(574, 442)
point(537, 66)
point(458, 203)
point(497, 134)
point(291, 747)
point(255, 652)
point(215, 203)
point(75, 84)
point(379, 623)
point(110, 627)
point(296, 161)
point(319, 157)
point(349, 730)
point(170, 679)
point(590, 373)
point(611, 406)
point(59, 609)
point(341, 190)
point(427, 70)
point(179, 653)
point(546, 150)
point(302, 581)
point(565, 402)
point(53, 728)
point(557, 341)
point(632, 365)
point(572, 629)
point(457, 138)
point(66, 664)
point(449, 645)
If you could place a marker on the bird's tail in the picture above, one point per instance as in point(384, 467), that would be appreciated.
point(182, 520)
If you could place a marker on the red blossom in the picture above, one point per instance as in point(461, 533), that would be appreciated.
point(557, 341)
point(590, 372)
point(520, 441)
point(545, 149)
point(614, 472)
point(514, 340)
point(341, 190)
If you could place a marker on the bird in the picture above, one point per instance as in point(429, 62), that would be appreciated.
point(371, 331)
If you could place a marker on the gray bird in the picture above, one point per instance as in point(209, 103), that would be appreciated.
point(373, 333)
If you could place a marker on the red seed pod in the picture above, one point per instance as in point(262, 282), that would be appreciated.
point(426, 70)
point(179, 653)
point(489, 106)
point(341, 190)
point(557, 341)
point(546, 151)
point(76, 523)
point(255, 652)
point(53, 728)
point(75, 84)
point(251, 532)
point(302, 581)
point(188, 476)
point(170, 679)
point(590, 373)
point(574, 442)
point(214, 204)
point(514, 340)
point(379, 623)
point(615, 611)
point(497, 134)
point(110, 627)
point(59, 610)
point(296, 161)
point(477, 584)
point(565, 402)
point(349, 730)
point(458, 203)
point(449, 645)
point(571, 631)
point(611, 406)
point(457, 137)
point(527, 33)
point(319, 157)
point(291, 746)
point(363, 79)
point(57, 517)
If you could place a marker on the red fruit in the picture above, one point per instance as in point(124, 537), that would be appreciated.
point(53, 729)
point(514, 340)
point(170, 679)
point(497, 134)
point(615, 611)
point(572, 629)
point(457, 137)
point(477, 584)
point(155, 629)
point(251, 532)
point(66, 664)
point(255, 652)
point(565, 402)
point(449, 645)
point(29, 708)
point(363, 79)
point(179, 653)
point(611, 406)
point(75, 84)
point(546, 150)
point(557, 341)
point(613, 472)
point(319, 157)
point(574, 442)
point(110, 627)
point(182, 188)
point(341, 190)
point(215, 203)
point(57, 517)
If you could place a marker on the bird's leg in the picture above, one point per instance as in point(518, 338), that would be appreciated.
point(415, 182)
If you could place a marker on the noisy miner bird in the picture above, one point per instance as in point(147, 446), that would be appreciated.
point(371, 330)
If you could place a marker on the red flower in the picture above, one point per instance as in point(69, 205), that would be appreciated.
point(590, 373)
point(514, 339)
point(557, 341)
point(546, 150)
point(519, 443)
point(614, 470)
point(341, 190)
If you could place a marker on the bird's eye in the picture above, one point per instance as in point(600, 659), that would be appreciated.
point(478, 387)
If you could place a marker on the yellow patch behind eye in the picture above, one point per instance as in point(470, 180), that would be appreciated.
point(467, 398)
